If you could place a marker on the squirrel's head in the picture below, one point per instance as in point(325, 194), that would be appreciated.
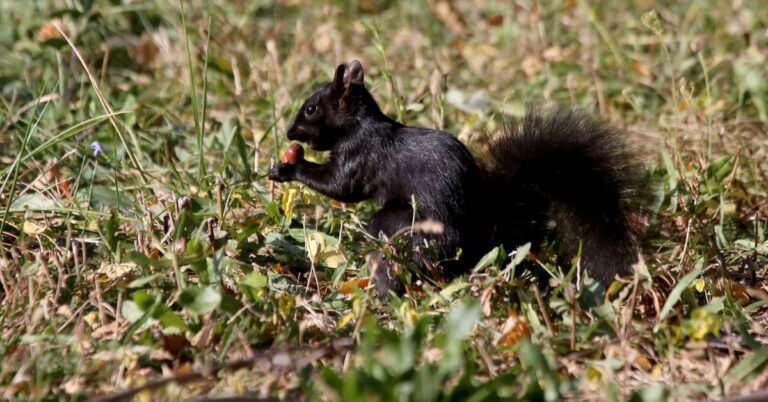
point(335, 110)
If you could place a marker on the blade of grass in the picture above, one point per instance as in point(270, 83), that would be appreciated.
point(604, 35)
point(17, 161)
point(104, 104)
point(205, 94)
point(195, 108)
point(397, 104)
point(63, 136)
point(677, 292)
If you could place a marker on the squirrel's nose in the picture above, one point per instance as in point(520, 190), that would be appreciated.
point(292, 133)
point(296, 133)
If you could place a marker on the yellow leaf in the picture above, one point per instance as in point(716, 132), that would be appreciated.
point(333, 259)
point(358, 306)
point(319, 250)
point(344, 321)
point(593, 374)
point(93, 224)
point(409, 314)
point(289, 200)
point(32, 228)
point(643, 362)
point(92, 319)
point(315, 245)
point(113, 271)
point(699, 284)
point(701, 323)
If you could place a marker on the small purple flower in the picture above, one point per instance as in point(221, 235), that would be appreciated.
point(97, 148)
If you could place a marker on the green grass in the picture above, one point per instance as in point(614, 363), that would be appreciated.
point(170, 253)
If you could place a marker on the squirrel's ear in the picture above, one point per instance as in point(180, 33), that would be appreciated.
point(354, 74)
point(338, 79)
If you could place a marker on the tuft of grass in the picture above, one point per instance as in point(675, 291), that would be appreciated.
point(169, 267)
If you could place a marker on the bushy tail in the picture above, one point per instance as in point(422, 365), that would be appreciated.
point(564, 166)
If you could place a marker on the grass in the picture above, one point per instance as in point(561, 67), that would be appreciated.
point(169, 255)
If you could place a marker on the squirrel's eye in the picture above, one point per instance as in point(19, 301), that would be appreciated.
point(310, 109)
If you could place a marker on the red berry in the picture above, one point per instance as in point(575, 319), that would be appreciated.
point(293, 154)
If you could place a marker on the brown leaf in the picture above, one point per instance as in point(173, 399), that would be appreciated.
point(185, 369)
point(350, 287)
point(446, 11)
point(203, 338)
point(643, 362)
point(485, 300)
point(48, 31)
point(145, 52)
point(175, 344)
point(741, 294)
point(554, 54)
point(495, 20)
point(74, 385)
point(641, 68)
point(55, 176)
point(106, 331)
point(531, 65)
point(515, 330)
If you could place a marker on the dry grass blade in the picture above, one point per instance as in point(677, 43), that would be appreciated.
point(105, 104)
point(280, 359)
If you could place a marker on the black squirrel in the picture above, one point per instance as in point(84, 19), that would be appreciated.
point(556, 165)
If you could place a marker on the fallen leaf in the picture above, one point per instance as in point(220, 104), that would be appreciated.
point(641, 69)
point(643, 362)
point(32, 228)
point(495, 20)
point(739, 292)
point(289, 201)
point(447, 12)
point(350, 287)
point(48, 31)
point(515, 330)
point(114, 271)
point(175, 344)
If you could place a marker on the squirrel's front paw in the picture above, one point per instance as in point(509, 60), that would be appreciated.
point(282, 172)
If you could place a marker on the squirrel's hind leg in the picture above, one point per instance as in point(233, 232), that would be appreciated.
point(388, 221)
point(383, 275)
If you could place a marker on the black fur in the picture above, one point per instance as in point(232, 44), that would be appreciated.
point(556, 165)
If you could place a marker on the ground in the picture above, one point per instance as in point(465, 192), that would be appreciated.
point(142, 241)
